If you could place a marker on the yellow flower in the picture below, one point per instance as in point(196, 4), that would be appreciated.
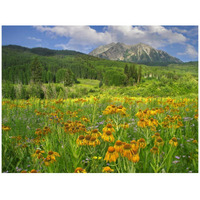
point(94, 141)
point(118, 146)
point(127, 151)
point(38, 131)
point(107, 136)
point(125, 126)
point(46, 130)
point(95, 133)
point(38, 153)
point(156, 135)
point(51, 158)
point(142, 123)
point(5, 128)
point(173, 142)
point(194, 141)
point(111, 155)
point(109, 127)
point(87, 139)
point(159, 141)
point(33, 171)
point(141, 143)
point(94, 157)
point(134, 145)
point(80, 170)
point(153, 122)
point(139, 114)
point(85, 119)
point(154, 150)
point(135, 158)
point(80, 140)
point(107, 170)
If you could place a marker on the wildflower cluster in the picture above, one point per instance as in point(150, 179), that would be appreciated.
point(47, 160)
point(130, 151)
point(112, 109)
point(108, 133)
point(80, 100)
point(71, 127)
point(172, 121)
point(87, 140)
point(147, 112)
point(43, 131)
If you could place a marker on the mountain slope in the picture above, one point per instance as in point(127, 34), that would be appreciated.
point(40, 50)
point(139, 53)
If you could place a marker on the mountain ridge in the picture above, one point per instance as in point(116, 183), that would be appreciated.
point(42, 51)
point(140, 53)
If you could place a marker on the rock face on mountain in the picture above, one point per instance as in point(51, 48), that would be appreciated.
point(139, 53)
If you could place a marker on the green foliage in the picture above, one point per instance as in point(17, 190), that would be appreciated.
point(8, 90)
point(113, 77)
point(35, 90)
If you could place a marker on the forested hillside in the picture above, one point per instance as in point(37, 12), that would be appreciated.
point(22, 68)
point(17, 61)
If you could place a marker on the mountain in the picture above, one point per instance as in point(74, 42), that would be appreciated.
point(139, 53)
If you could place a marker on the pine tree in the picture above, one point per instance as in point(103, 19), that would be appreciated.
point(36, 71)
point(139, 74)
point(126, 71)
point(133, 73)
point(69, 77)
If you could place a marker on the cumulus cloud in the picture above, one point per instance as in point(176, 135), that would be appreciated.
point(35, 39)
point(156, 36)
point(85, 38)
point(190, 51)
point(81, 38)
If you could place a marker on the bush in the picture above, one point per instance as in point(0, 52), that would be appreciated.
point(115, 78)
point(35, 90)
point(8, 90)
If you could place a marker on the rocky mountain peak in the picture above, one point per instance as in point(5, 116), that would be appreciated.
point(139, 53)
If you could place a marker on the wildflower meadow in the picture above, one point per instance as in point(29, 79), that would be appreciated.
point(101, 134)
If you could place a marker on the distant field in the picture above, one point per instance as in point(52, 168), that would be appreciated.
point(89, 83)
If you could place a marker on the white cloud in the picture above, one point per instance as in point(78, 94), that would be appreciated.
point(35, 39)
point(85, 38)
point(190, 51)
point(81, 38)
point(179, 30)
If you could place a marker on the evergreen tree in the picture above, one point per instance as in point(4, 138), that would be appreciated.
point(60, 76)
point(100, 83)
point(139, 74)
point(36, 71)
point(126, 71)
point(69, 77)
point(49, 77)
point(133, 73)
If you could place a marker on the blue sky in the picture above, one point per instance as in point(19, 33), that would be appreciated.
point(178, 41)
